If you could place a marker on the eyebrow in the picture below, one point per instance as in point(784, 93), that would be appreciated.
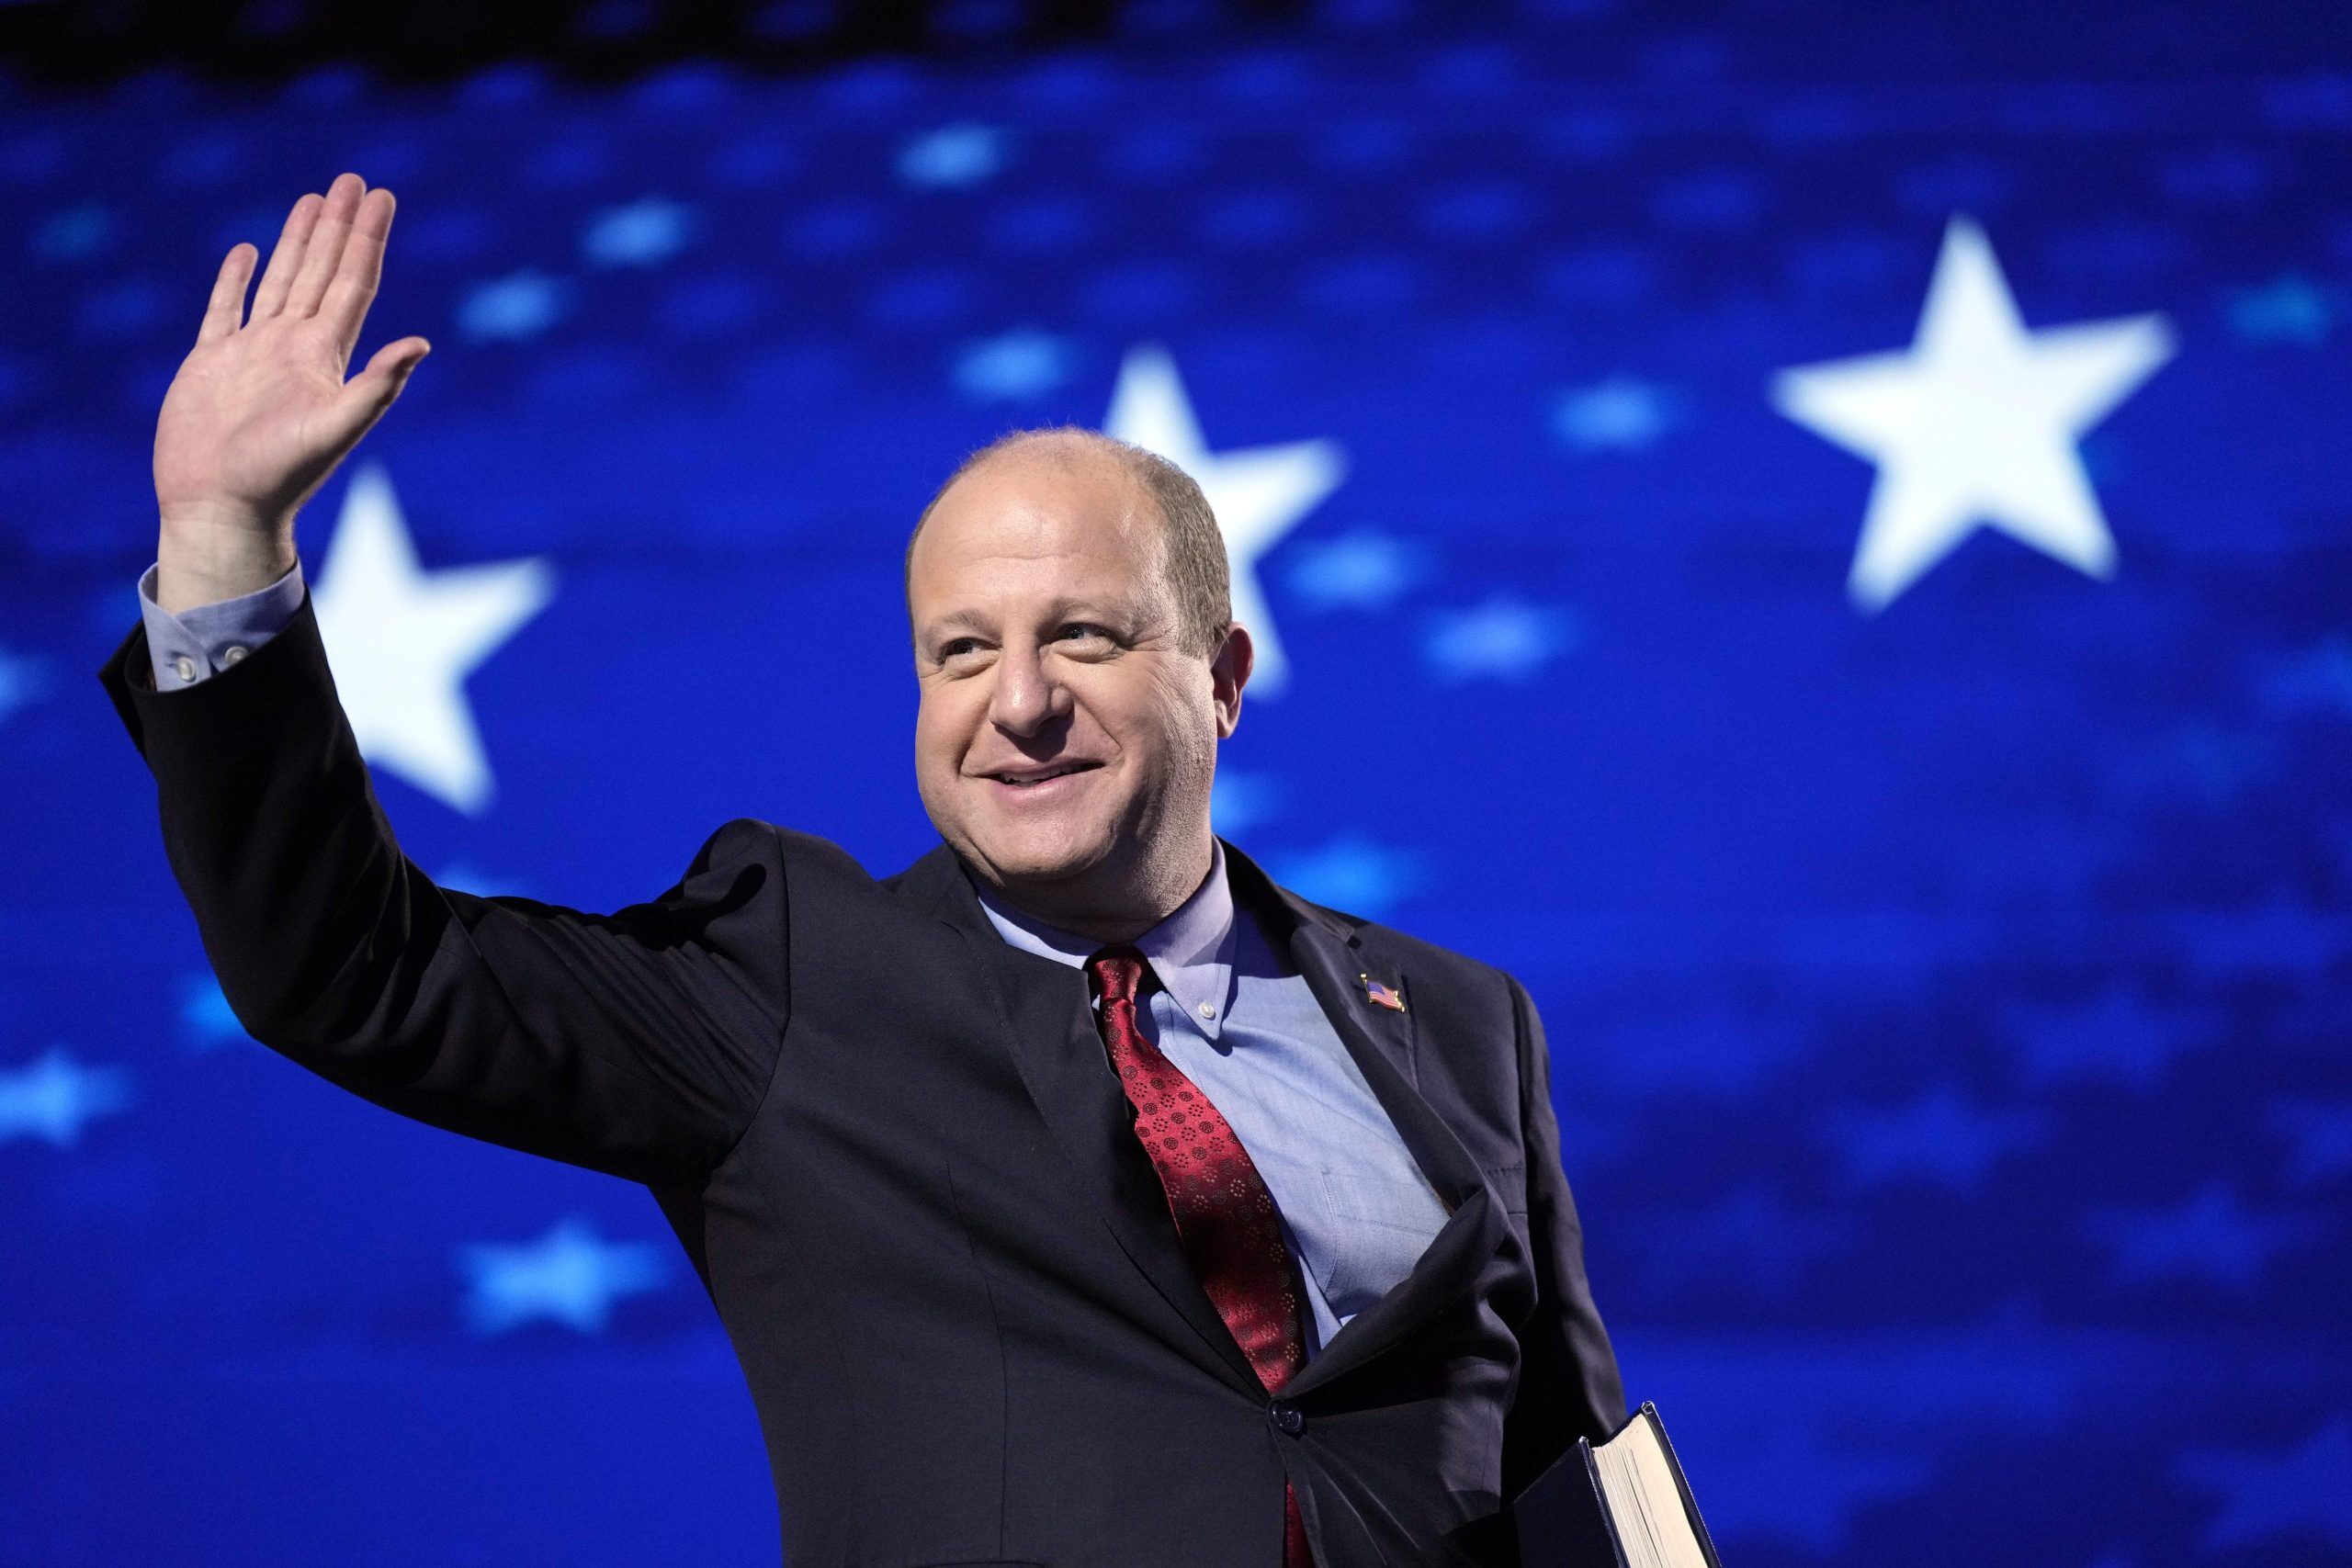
point(1063, 608)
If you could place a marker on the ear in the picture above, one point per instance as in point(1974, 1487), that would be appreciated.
point(1228, 672)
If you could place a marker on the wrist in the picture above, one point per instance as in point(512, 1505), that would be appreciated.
point(204, 557)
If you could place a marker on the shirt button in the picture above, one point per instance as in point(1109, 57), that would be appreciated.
point(1288, 1416)
point(184, 667)
point(1207, 1012)
point(234, 652)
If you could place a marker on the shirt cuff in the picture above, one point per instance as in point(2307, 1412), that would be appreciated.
point(207, 638)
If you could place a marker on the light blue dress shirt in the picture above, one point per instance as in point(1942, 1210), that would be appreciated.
point(1234, 1017)
point(1230, 1012)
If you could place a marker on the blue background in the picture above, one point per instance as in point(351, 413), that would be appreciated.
point(1949, 1006)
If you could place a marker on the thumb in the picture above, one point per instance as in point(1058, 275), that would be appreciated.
point(367, 395)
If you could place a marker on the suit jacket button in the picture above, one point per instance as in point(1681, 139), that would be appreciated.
point(1288, 1416)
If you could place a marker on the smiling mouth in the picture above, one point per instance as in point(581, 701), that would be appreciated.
point(1026, 780)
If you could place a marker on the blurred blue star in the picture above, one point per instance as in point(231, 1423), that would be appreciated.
point(1609, 277)
point(206, 1018)
point(568, 1276)
point(2287, 310)
point(2119, 1039)
point(794, 21)
point(22, 678)
point(640, 233)
point(711, 305)
point(1716, 202)
point(2319, 1133)
point(1968, 182)
point(1361, 569)
point(1479, 209)
point(53, 1097)
point(1794, 1484)
point(2317, 681)
point(1364, 283)
point(976, 19)
point(1708, 1047)
point(512, 309)
point(834, 229)
point(1750, 1242)
point(2303, 1493)
point(132, 307)
point(1013, 366)
point(506, 85)
point(2213, 1236)
point(2229, 176)
point(1503, 638)
point(1618, 414)
point(467, 877)
point(1940, 1137)
point(1352, 873)
point(1047, 223)
point(2279, 936)
point(954, 157)
point(2198, 760)
point(74, 234)
point(1239, 801)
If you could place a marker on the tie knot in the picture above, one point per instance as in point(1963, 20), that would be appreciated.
point(1117, 971)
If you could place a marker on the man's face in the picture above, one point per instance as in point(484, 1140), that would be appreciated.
point(1066, 737)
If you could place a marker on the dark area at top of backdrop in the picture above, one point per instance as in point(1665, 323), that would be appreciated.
point(1949, 1003)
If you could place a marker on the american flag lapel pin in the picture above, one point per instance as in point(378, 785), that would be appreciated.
point(1394, 1000)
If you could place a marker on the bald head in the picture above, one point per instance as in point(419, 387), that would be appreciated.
point(1192, 554)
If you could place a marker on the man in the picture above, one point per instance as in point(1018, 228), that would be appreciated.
point(1075, 1196)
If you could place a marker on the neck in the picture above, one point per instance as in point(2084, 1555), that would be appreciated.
point(1108, 913)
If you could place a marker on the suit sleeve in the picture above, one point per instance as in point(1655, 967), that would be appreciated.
point(636, 1042)
point(1568, 1384)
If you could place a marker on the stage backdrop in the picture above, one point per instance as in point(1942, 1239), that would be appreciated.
point(1820, 545)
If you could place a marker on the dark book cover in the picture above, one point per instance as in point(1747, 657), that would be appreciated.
point(1562, 1517)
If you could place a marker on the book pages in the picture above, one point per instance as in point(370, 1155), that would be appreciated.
point(1644, 1505)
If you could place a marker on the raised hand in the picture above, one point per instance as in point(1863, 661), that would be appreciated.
point(259, 414)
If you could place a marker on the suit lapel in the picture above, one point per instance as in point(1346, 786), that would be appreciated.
point(1334, 961)
point(1050, 1024)
point(1050, 1029)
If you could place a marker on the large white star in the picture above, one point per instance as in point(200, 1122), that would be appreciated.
point(1257, 494)
point(401, 642)
point(1975, 423)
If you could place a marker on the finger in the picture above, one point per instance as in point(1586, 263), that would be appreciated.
point(287, 257)
point(325, 249)
point(356, 275)
point(367, 395)
point(226, 311)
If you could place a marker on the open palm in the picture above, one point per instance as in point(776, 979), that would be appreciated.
point(260, 414)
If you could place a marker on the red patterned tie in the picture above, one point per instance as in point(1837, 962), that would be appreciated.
point(1224, 1214)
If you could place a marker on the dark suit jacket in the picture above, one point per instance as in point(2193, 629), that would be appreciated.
point(903, 1167)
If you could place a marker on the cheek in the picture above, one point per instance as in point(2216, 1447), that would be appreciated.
point(1163, 718)
point(940, 734)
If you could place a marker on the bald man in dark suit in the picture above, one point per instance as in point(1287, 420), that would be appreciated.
point(1076, 1196)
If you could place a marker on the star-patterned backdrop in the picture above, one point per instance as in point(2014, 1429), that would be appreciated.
point(1827, 558)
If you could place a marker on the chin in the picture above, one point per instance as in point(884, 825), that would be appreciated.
point(1041, 851)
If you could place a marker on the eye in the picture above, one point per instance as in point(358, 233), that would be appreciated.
point(1085, 629)
point(960, 653)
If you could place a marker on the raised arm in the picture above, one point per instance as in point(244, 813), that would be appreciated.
point(260, 414)
point(636, 1042)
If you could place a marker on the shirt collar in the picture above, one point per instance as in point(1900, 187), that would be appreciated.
point(1191, 950)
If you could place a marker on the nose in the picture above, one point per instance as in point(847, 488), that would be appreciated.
point(1027, 697)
